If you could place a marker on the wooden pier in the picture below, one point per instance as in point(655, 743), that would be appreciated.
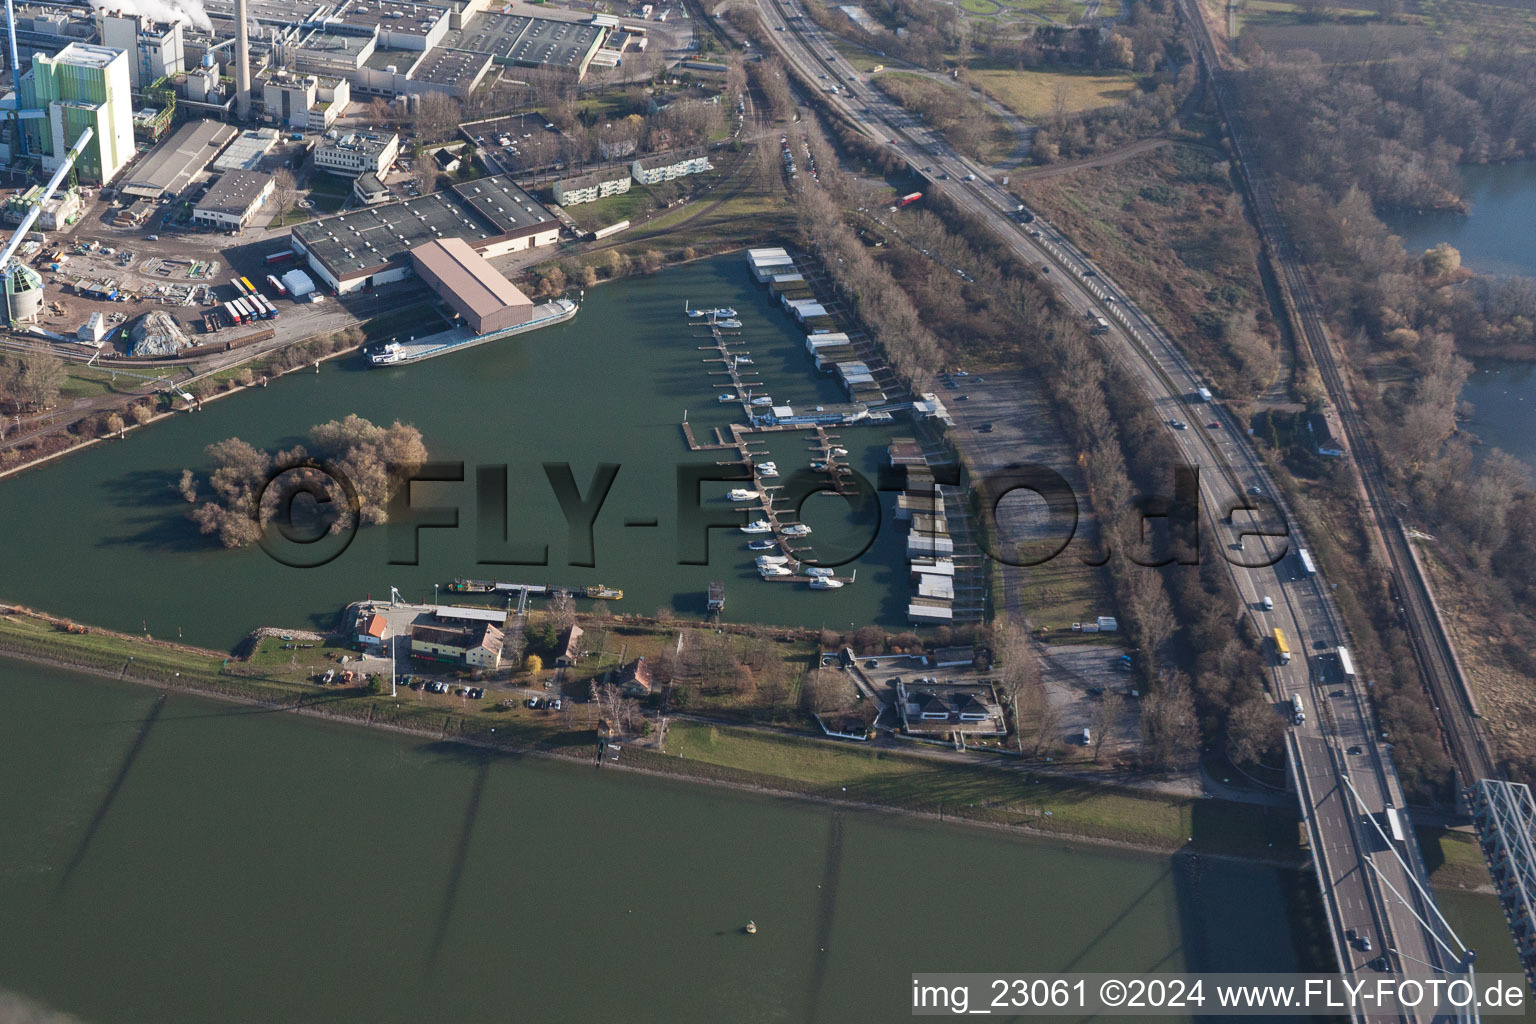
point(819, 442)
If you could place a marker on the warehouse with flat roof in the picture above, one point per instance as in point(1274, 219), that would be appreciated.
point(476, 290)
point(176, 161)
point(365, 248)
point(233, 200)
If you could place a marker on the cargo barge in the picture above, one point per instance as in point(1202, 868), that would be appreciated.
point(398, 353)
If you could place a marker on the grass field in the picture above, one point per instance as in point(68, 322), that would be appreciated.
point(1453, 858)
point(632, 205)
point(844, 771)
point(1032, 94)
point(92, 382)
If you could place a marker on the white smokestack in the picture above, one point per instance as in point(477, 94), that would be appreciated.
point(242, 62)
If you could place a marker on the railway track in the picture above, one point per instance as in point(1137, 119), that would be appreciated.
point(1433, 651)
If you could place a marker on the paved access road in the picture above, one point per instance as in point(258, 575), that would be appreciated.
point(1368, 882)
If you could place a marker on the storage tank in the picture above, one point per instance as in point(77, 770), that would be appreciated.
point(23, 294)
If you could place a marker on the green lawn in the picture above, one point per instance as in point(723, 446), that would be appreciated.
point(847, 771)
point(632, 205)
point(93, 382)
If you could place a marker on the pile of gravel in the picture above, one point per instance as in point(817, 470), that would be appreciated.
point(157, 334)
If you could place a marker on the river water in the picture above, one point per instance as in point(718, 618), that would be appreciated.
point(108, 541)
point(192, 861)
point(1495, 238)
point(211, 862)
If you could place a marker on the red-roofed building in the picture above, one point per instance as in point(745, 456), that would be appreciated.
point(635, 679)
point(371, 627)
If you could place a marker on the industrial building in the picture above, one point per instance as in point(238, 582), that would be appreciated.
point(477, 291)
point(355, 153)
point(305, 102)
point(233, 200)
point(155, 49)
point(362, 249)
point(59, 210)
point(247, 151)
point(176, 161)
point(369, 190)
point(514, 40)
point(82, 86)
point(589, 188)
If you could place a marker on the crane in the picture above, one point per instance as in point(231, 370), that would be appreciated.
point(86, 134)
point(17, 278)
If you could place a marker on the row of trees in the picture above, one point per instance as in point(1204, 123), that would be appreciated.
point(965, 120)
point(373, 459)
point(30, 380)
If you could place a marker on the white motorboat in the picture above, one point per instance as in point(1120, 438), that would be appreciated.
point(796, 530)
point(742, 494)
point(767, 469)
point(743, 360)
point(772, 559)
point(758, 526)
point(729, 396)
point(827, 583)
point(762, 400)
point(390, 353)
point(774, 570)
point(718, 311)
point(762, 545)
point(728, 322)
point(839, 451)
point(818, 571)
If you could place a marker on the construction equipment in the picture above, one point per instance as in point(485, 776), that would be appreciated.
point(23, 286)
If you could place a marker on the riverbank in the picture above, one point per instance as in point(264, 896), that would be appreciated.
point(791, 765)
point(787, 766)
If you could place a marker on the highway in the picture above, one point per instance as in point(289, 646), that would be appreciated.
point(1345, 782)
point(1432, 647)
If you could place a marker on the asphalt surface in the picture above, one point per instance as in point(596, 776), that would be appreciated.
point(1368, 882)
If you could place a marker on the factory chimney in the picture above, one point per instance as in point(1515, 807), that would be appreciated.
point(242, 62)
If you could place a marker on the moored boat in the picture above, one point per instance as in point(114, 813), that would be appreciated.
point(729, 396)
point(757, 526)
point(826, 583)
point(743, 494)
point(602, 593)
point(796, 530)
point(762, 545)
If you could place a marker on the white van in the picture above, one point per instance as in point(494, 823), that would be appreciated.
point(1269, 603)
point(1087, 737)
